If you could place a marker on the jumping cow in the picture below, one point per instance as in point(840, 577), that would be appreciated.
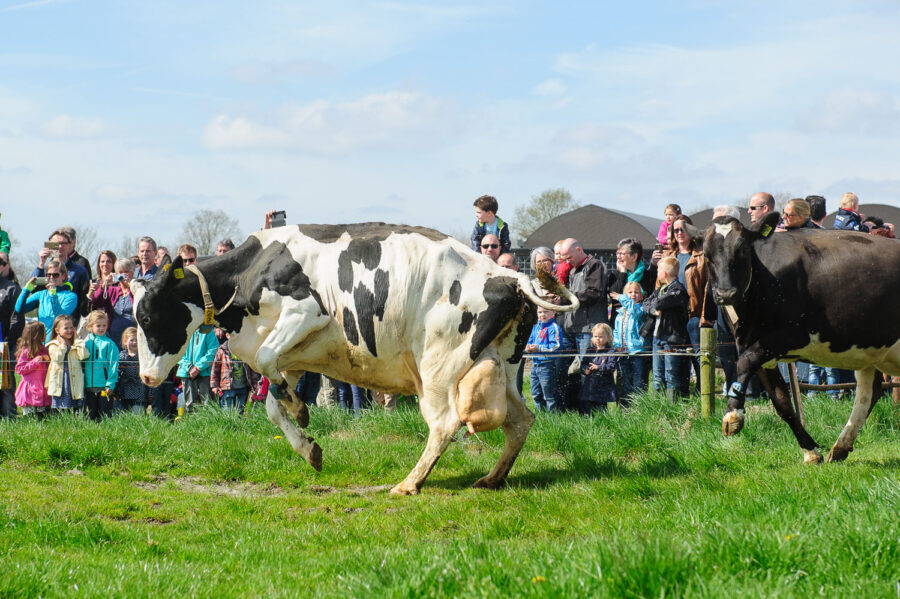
point(827, 297)
point(396, 309)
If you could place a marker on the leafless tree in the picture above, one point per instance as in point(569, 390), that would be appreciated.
point(542, 208)
point(206, 228)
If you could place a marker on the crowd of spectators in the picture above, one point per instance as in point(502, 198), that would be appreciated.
point(637, 323)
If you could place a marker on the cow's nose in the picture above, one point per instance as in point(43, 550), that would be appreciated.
point(147, 380)
point(726, 296)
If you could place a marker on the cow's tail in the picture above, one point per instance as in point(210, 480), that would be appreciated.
point(550, 285)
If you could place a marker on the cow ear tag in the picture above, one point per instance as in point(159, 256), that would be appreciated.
point(209, 317)
point(765, 231)
point(178, 273)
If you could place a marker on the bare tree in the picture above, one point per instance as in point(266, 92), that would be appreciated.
point(127, 246)
point(206, 228)
point(542, 208)
point(88, 242)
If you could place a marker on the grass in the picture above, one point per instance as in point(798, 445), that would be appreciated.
point(645, 503)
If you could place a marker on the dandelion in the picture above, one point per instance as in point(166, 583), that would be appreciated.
point(788, 537)
point(537, 579)
point(277, 436)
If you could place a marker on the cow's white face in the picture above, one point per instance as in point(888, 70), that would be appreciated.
point(162, 340)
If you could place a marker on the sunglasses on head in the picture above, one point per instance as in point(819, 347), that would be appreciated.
point(492, 246)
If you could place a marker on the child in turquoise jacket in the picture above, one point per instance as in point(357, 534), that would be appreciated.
point(101, 369)
point(194, 369)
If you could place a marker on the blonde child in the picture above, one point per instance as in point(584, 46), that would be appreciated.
point(31, 364)
point(672, 211)
point(634, 368)
point(65, 379)
point(131, 391)
point(102, 369)
point(669, 304)
point(599, 385)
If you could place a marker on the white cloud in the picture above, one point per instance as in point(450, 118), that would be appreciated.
point(68, 127)
point(852, 111)
point(388, 120)
point(29, 5)
point(550, 87)
point(262, 72)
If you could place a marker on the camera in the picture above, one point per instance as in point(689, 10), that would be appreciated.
point(40, 280)
point(118, 278)
point(278, 218)
point(51, 245)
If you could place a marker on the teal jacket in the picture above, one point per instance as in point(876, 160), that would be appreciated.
point(101, 369)
point(4, 242)
point(49, 305)
point(201, 352)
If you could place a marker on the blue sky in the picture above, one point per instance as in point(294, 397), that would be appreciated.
point(129, 116)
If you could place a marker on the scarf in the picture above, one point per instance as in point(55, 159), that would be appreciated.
point(637, 275)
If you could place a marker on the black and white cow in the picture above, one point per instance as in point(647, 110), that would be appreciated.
point(827, 297)
point(392, 308)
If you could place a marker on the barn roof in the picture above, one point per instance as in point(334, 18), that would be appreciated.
point(890, 214)
point(594, 227)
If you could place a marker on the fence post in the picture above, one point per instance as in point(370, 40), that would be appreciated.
point(708, 342)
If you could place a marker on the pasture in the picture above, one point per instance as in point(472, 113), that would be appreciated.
point(653, 502)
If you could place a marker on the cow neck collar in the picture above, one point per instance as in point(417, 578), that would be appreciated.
point(209, 309)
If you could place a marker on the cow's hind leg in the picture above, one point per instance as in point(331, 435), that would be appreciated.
point(844, 444)
point(302, 444)
point(516, 426)
point(781, 400)
point(443, 422)
point(296, 407)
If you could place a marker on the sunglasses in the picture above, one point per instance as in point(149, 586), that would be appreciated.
point(789, 215)
point(677, 231)
point(53, 275)
point(192, 260)
point(492, 246)
point(754, 207)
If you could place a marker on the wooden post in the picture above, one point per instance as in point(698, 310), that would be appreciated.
point(708, 340)
point(795, 392)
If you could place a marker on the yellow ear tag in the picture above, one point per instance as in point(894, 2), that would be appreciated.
point(209, 317)
point(178, 273)
point(766, 231)
point(166, 267)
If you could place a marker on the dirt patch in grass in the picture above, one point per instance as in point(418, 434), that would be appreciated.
point(193, 484)
point(351, 490)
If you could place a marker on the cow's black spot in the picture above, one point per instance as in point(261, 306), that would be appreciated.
point(365, 231)
point(503, 303)
point(364, 301)
point(345, 272)
point(274, 269)
point(523, 331)
point(382, 288)
point(350, 326)
point(468, 319)
point(455, 291)
point(366, 251)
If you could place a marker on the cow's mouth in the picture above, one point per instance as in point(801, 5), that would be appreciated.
point(151, 381)
point(725, 297)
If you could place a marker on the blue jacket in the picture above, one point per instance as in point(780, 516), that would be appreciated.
point(548, 337)
point(849, 220)
point(599, 386)
point(101, 369)
point(480, 231)
point(628, 325)
point(49, 305)
point(201, 351)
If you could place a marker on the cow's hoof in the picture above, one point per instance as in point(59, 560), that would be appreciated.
point(315, 457)
point(488, 483)
point(812, 456)
point(838, 454)
point(302, 416)
point(404, 489)
point(732, 422)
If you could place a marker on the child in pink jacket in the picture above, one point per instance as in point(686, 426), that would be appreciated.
point(32, 362)
point(672, 210)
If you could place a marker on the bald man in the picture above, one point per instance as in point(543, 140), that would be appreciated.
point(761, 204)
point(490, 246)
point(587, 280)
point(508, 261)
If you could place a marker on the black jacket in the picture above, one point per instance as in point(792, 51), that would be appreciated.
point(11, 322)
point(672, 303)
point(588, 283)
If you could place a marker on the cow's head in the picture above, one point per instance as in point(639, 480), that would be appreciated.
point(728, 247)
point(167, 314)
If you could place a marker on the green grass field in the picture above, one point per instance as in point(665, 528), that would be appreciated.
point(653, 502)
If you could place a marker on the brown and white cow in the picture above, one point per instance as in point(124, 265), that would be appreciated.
point(396, 309)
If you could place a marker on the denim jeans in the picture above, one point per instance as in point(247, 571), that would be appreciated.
point(545, 385)
point(308, 387)
point(670, 370)
point(693, 328)
point(836, 376)
point(816, 375)
point(233, 399)
point(351, 396)
point(633, 372)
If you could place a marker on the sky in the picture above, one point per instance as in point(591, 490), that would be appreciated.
point(127, 117)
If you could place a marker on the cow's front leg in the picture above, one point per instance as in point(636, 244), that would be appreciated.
point(302, 444)
point(297, 321)
point(865, 380)
point(287, 393)
point(516, 426)
point(781, 398)
point(443, 422)
point(748, 363)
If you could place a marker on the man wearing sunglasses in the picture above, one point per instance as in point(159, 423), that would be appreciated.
point(761, 204)
point(490, 246)
point(78, 278)
point(11, 324)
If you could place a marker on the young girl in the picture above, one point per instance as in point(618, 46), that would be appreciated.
point(102, 368)
point(65, 379)
point(669, 303)
point(672, 211)
point(31, 364)
point(599, 386)
point(133, 393)
point(633, 369)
